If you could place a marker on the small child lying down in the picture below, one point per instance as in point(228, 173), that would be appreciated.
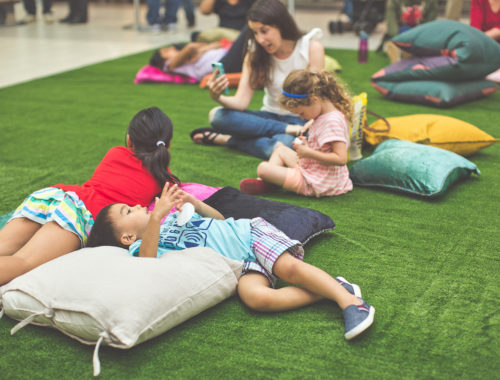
point(267, 252)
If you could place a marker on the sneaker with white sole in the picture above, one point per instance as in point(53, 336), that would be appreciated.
point(351, 288)
point(357, 318)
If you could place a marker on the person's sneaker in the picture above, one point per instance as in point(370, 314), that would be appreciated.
point(255, 186)
point(29, 19)
point(351, 288)
point(357, 318)
point(48, 18)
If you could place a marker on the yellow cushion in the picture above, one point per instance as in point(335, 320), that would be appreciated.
point(440, 131)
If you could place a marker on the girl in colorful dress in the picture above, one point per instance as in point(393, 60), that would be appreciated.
point(57, 220)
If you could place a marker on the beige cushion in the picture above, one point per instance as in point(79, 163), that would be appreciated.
point(103, 295)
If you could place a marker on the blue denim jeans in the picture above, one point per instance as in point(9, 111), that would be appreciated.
point(172, 8)
point(153, 13)
point(254, 132)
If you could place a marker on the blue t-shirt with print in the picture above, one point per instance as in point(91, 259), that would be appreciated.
point(231, 238)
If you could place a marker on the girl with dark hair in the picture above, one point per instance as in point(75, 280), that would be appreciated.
point(275, 48)
point(57, 220)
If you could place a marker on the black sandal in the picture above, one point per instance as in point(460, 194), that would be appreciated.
point(209, 135)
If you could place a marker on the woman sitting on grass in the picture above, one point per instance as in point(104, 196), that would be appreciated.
point(276, 48)
point(267, 252)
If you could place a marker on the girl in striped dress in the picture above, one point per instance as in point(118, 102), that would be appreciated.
point(57, 220)
point(316, 166)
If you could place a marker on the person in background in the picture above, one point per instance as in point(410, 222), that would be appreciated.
point(401, 15)
point(232, 18)
point(172, 6)
point(78, 12)
point(485, 16)
point(30, 7)
point(453, 9)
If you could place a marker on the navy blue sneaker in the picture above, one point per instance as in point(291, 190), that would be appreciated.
point(357, 318)
point(351, 288)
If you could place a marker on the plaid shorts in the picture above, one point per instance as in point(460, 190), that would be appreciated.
point(55, 205)
point(268, 243)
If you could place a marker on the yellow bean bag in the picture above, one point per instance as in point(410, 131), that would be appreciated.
point(440, 131)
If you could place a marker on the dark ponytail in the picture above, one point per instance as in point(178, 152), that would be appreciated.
point(150, 133)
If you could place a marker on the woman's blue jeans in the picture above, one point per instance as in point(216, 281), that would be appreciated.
point(254, 132)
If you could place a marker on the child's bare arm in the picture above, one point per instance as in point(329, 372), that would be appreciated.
point(169, 197)
point(338, 156)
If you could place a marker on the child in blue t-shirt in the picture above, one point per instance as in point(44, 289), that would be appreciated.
point(266, 251)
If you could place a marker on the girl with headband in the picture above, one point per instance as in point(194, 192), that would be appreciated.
point(316, 166)
point(57, 220)
point(275, 48)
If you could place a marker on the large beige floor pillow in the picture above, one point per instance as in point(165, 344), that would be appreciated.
point(105, 296)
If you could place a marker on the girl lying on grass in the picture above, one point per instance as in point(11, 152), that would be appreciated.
point(316, 166)
point(267, 252)
point(57, 220)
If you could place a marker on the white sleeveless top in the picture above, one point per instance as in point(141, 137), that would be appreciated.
point(299, 59)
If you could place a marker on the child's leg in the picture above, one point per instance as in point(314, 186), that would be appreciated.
point(49, 242)
point(15, 234)
point(275, 170)
point(256, 292)
point(315, 280)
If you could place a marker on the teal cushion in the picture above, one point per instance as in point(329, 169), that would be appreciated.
point(436, 93)
point(412, 168)
point(472, 54)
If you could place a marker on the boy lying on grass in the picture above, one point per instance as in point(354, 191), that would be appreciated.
point(267, 253)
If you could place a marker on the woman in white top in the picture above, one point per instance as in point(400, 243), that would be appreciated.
point(275, 48)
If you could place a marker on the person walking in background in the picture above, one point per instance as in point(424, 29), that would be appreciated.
point(172, 6)
point(30, 7)
point(78, 12)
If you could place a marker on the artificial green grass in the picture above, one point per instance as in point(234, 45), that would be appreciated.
point(431, 268)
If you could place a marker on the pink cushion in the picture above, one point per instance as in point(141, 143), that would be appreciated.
point(200, 191)
point(151, 74)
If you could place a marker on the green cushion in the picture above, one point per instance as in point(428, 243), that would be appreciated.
point(435, 93)
point(473, 54)
point(412, 168)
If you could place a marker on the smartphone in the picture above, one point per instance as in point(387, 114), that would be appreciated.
point(219, 66)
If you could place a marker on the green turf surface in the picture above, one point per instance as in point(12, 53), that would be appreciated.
point(430, 268)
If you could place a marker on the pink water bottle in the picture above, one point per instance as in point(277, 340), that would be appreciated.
point(363, 48)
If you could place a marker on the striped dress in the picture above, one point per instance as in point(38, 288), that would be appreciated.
point(322, 179)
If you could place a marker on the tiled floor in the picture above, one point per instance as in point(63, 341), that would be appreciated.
point(38, 49)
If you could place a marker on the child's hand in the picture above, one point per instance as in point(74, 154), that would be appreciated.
point(185, 198)
point(168, 199)
point(303, 150)
point(306, 127)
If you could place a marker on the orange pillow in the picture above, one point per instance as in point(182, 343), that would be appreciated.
point(440, 131)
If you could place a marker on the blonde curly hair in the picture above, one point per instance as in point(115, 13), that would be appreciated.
point(321, 84)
